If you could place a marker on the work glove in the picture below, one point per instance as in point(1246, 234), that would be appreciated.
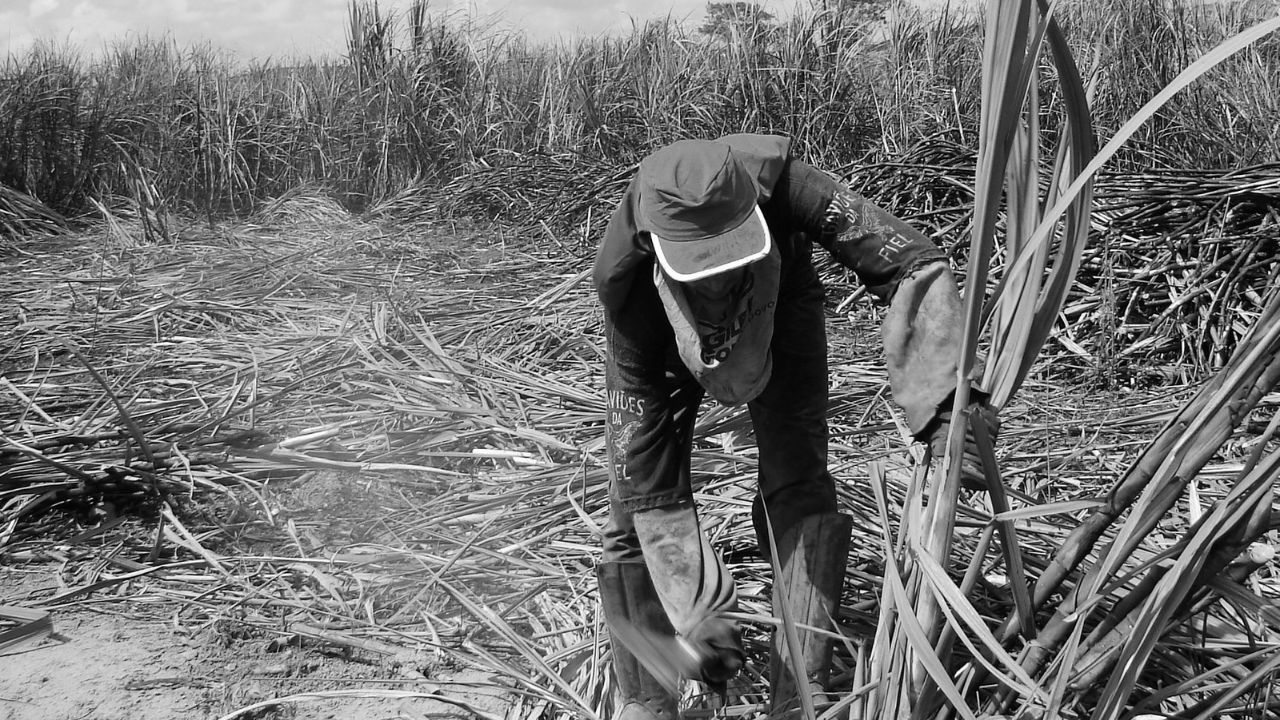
point(711, 651)
point(935, 433)
point(716, 644)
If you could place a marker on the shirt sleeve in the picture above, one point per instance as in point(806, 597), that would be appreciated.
point(900, 266)
point(878, 247)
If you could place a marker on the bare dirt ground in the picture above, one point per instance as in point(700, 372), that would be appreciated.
point(139, 661)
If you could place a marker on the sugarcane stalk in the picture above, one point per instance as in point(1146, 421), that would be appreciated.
point(1178, 452)
point(1223, 560)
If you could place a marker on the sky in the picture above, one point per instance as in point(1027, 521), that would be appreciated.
point(302, 28)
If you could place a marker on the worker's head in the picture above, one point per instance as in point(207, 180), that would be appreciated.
point(699, 205)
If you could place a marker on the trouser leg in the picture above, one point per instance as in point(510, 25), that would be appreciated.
point(659, 533)
point(797, 498)
point(627, 595)
point(790, 419)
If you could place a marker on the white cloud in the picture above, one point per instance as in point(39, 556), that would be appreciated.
point(16, 37)
point(290, 28)
point(42, 7)
point(546, 19)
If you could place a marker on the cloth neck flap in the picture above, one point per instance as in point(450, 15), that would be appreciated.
point(729, 356)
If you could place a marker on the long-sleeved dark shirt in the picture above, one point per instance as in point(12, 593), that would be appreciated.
point(801, 206)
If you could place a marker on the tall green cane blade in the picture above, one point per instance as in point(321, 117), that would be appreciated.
point(1008, 67)
point(964, 613)
point(1004, 56)
point(1077, 146)
point(890, 648)
point(1012, 550)
point(1026, 303)
point(915, 633)
point(1193, 72)
point(1014, 310)
point(1010, 155)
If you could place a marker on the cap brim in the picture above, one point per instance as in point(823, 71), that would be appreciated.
point(685, 261)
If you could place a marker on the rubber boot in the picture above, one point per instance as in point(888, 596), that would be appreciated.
point(812, 559)
point(627, 594)
point(695, 589)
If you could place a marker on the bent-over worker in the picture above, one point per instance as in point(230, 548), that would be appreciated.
point(708, 286)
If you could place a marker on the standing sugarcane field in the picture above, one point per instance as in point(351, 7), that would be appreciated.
point(321, 394)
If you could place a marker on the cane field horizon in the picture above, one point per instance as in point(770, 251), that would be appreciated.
point(301, 387)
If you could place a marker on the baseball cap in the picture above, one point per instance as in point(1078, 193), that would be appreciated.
point(699, 205)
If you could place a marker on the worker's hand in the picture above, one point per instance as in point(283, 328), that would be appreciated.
point(979, 411)
point(716, 646)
